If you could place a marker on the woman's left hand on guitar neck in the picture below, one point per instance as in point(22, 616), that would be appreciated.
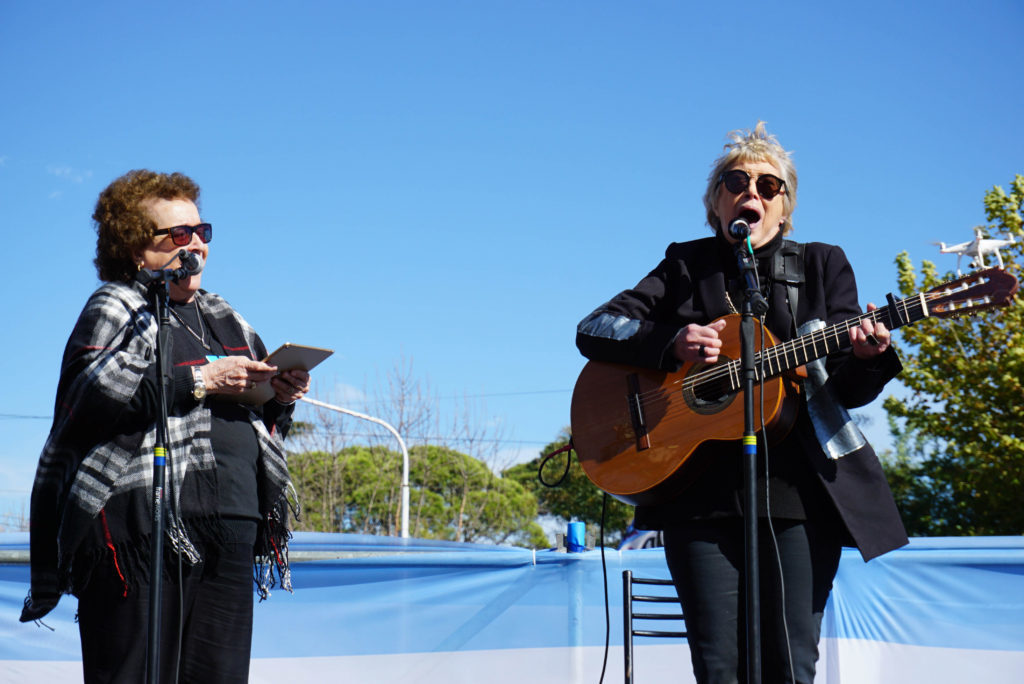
point(869, 339)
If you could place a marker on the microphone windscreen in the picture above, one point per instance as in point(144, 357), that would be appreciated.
point(191, 262)
point(739, 229)
point(194, 265)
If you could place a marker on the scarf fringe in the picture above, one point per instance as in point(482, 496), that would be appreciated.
point(180, 542)
point(129, 559)
point(272, 567)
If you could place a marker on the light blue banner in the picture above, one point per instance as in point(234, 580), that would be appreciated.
point(359, 598)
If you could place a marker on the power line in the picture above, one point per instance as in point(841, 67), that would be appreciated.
point(505, 394)
point(363, 402)
point(429, 438)
point(370, 401)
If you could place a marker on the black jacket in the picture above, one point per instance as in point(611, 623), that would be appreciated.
point(690, 285)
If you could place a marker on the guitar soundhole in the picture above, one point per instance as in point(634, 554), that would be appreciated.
point(709, 394)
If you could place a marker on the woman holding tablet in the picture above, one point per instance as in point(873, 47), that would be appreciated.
point(227, 490)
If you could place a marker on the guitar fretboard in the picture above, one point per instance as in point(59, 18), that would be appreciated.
point(794, 353)
point(970, 294)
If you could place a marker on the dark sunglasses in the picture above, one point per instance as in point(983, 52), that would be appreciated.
point(768, 186)
point(182, 235)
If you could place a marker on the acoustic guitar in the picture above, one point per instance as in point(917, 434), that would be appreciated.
point(635, 430)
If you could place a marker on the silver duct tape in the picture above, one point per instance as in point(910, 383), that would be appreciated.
point(608, 326)
point(833, 426)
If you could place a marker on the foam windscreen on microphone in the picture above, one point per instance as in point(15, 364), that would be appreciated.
point(739, 229)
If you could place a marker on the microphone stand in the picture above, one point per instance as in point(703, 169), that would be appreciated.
point(158, 282)
point(754, 304)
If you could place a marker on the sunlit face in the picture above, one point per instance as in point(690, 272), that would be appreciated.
point(765, 216)
point(167, 214)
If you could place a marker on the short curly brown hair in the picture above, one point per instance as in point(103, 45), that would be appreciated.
point(123, 228)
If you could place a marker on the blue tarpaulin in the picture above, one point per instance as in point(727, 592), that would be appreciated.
point(374, 609)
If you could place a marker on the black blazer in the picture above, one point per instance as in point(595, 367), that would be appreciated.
point(691, 285)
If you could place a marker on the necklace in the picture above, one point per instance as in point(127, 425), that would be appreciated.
point(732, 307)
point(728, 300)
point(766, 288)
point(201, 335)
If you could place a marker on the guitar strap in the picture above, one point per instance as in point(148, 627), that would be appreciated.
point(837, 434)
point(788, 268)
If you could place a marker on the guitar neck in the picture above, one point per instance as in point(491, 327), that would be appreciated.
point(797, 352)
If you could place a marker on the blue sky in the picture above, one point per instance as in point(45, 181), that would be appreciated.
point(458, 183)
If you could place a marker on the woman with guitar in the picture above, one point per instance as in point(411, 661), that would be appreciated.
point(819, 484)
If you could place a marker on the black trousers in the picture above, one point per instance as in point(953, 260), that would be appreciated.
point(212, 604)
point(706, 559)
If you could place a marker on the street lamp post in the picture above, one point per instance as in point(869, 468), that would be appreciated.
point(404, 524)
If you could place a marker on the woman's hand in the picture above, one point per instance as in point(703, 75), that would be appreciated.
point(235, 374)
point(290, 386)
point(869, 339)
point(699, 342)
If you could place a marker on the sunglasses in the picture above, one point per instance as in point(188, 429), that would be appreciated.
point(768, 186)
point(182, 235)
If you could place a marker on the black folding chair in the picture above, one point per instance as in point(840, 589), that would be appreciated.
point(628, 616)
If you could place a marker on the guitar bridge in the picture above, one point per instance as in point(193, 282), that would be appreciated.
point(636, 412)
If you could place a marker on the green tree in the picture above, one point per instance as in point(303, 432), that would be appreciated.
point(452, 496)
point(357, 488)
point(576, 497)
point(959, 461)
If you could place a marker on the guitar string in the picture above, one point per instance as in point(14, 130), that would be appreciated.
point(839, 332)
point(669, 395)
point(772, 354)
point(911, 306)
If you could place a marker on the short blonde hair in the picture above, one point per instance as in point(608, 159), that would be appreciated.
point(752, 146)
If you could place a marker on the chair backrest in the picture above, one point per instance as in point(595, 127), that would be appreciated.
point(629, 616)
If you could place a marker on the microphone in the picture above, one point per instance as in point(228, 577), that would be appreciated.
point(191, 262)
point(739, 229)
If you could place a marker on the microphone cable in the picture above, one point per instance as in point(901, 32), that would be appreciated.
point(567, 449)
point(604, 577)
point(767, 496)
point(764, 442)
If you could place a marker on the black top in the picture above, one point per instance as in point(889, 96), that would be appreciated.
point(231, 433)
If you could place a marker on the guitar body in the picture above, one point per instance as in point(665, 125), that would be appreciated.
point(647, 460)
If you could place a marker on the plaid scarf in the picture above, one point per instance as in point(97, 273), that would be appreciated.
point(93, 488)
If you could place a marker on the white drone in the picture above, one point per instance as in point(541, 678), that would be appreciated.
point(976, 249)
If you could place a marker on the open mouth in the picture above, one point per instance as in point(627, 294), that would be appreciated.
point(750, 216)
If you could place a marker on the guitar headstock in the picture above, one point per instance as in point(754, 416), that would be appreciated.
point(978, 291)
